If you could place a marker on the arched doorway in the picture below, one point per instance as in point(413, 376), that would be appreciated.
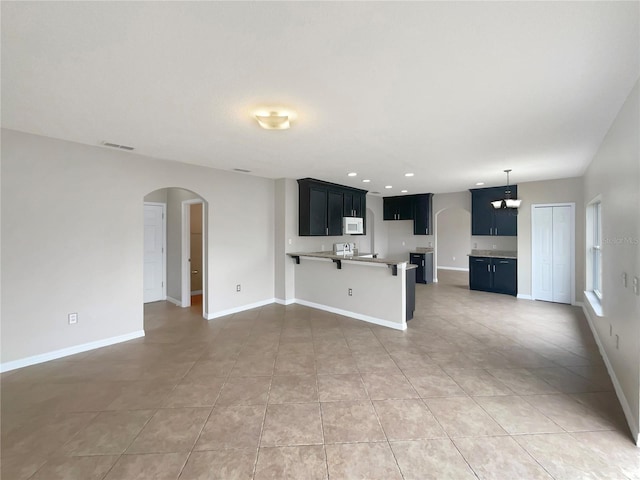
point(452, 243)
point(184, 254)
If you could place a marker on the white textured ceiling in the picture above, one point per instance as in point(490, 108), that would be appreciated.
point(453, 92)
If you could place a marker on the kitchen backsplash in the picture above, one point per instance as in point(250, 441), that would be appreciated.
point(482, 242)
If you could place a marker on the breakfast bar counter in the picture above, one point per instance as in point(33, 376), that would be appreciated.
point(357, 286)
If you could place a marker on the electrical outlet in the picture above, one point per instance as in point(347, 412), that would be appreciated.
point(290, 241)
point(475, 244)
point(430, 244)
point(73, 318)
point(403, 244)
point(237, 287)
point(494, 247)
point(351, 292)
point(322, 248)
point(454, 258)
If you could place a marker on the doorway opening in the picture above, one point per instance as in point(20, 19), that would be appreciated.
point(192, 252)
point(452, 244)
point(185, 257)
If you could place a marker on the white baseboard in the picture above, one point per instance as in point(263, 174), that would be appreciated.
point(457, 269)
point(65, 352)
point(280, 301)
point(357, 316)
point(174, 301)
point(241, 308)
point(524, 297)
point(196, 292)
point(631, 421)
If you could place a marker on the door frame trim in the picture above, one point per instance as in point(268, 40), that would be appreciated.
point(572, 239)
point(164, 245)
point(186, 253)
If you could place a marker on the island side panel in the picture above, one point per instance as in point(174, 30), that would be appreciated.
point(378, 296)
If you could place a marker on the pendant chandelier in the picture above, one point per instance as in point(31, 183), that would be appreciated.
point(507, 201)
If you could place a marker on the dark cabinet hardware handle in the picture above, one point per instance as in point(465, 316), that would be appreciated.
point(488, 268)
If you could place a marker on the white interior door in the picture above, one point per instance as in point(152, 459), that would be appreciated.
point(552, 253)
point(562, 254)
point(154, 252)
point(542, 255)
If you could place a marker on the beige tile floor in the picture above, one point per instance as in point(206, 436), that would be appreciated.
point(480, 386)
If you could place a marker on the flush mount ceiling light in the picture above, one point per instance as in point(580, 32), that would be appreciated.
point(366, 180)
point(352, 174)
point(507, 201)
point(388, 186)
point(403, 191)
point(408, 174)
point(274, 119)
point(479, 184)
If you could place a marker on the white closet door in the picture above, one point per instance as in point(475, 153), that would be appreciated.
point(542, 255)
point(562, 254)
point(552, 253)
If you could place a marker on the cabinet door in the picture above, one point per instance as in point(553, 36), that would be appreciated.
point(405, 208)
point(389, 208)
point(317, 211)
point(348, 204)
point(418, 259)
point(480, 273)
point(359, 202)
point(422, 214)
point(505, 275)
point(334, 212)
point(482, 212)
point(506, 223)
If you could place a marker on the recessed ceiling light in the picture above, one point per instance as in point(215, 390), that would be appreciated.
point(352, 174)
point(366, 180)
point(479, 183)
point(408, 174)
point(388, 186)
point(403, 191)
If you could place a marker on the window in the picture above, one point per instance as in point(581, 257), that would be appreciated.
point(596, 249)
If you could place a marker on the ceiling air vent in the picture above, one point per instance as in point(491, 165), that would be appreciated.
point(115, 145)
point(241, 170)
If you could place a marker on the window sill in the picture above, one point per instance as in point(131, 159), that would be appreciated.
point(595, 303)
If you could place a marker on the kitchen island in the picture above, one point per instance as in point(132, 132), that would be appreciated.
point(370, 289)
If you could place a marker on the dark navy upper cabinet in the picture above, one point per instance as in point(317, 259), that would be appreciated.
point(321, 206)
point(486, 220)
point(397, 208)
point(411, 207)
point(354, 202)
point(422, 214)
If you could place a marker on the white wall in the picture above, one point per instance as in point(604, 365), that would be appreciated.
point(81, 249)
point(614, 174)
point(567, 190)
point(454, 237)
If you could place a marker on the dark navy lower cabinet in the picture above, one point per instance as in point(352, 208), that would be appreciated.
point(498, 275)
point(424, 261)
